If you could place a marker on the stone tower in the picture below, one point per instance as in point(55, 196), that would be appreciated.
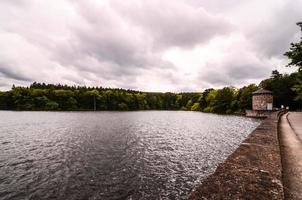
point(262, 100)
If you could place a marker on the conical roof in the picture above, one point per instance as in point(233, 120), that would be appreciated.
point(262, 91)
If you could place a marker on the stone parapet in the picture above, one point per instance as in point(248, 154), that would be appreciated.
point(258, 113)
point(253, 171)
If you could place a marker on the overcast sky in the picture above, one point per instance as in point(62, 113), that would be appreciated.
point(158, 45)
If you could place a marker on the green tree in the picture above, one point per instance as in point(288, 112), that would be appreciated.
point(22, 99)
point(40, 102)
point(195, 107)
point(61, 96)
point(141, 101)
point(178, 101)
point(6, 101)
point(281, 86)
point(123, 106)
point(101, 102)
point(41, 96)
point(245, 95)
point(210, 99)
point(295, 56)
point(295, 52)
point(93, 95)
point(52, 105)
point(189, 104)
point(224, 99)
point(72, 104)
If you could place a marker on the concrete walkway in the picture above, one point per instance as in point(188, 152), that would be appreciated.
point(295, 120)
point(291, 154)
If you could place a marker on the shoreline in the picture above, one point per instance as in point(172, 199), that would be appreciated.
point(223, 114)
point(252, 171)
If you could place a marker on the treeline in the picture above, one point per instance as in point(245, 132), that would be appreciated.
point(228, 100)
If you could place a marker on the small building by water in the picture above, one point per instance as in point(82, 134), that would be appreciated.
point(262, 104)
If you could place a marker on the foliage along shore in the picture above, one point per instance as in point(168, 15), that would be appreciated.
point(228, 100)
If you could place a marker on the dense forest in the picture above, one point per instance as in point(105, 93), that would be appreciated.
point(286, 88)
point(41, 96)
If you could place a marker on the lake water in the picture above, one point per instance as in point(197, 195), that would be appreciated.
point(113, 155)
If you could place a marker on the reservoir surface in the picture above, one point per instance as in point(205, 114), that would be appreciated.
point(113, 155)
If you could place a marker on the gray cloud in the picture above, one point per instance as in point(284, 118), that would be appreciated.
point(175, 24)
point(273, 34)
point(246, 71)
point(4, 85)
point(235, 70)
point(8, 72)
point(126, 35)
point(123, 43)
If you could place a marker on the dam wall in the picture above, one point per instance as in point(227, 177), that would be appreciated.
point(252, 171)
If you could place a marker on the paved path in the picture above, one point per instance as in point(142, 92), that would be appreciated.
point(295, 120)
point(291, 153)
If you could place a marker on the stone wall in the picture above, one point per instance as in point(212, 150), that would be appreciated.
point(253, 171)
point(258, 113)
point(260, 101)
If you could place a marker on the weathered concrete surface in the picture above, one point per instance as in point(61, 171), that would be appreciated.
point(295, 120)
point(258, 113)
point(253, 171)
point(291, 149)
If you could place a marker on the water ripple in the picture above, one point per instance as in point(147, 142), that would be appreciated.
point(112, 155)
